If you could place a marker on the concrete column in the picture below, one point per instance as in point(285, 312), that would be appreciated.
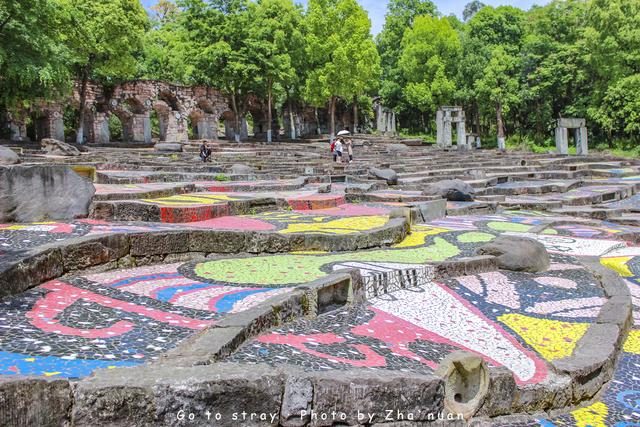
point(562, 140)
point(440, 128)
point(502, 146)
point(478, 142)
point(141, 128)
point(582, 140)
point(462, 135)
point(207, 127)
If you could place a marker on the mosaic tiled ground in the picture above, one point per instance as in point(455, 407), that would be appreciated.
point(69, 327)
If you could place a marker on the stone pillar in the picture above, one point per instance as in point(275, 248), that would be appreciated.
point(582, 139)
point(470, 141)
point(229, 132)
point(478, 142)
point(393, 123)
point(17, 131)
point(55, 126)
point(440, 128)
point(562, 140)
point(447, 129)
point(176, 130)
point(380, 120)
point(502, 146)
point(99, 130)
point(208, 127)
point(462, 135)
point(244, 129)
point(141, 128)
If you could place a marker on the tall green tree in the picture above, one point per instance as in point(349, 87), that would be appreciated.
point(277, 33)
point(104, 38)
point(612, 40)
point(471, 9)
point(497, 34)
point(342, 55)
point(220, 50)
point(33, 56)
point(430, 51)
point(165, 46)
point(400, 16)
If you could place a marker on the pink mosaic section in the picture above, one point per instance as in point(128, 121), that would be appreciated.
point(164, 283)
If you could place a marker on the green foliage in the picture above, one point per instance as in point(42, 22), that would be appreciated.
point(471, 9)
point(105, 36)
point(400, 16)
point(115, 128)
point(430, 51)
point(33, 56)
point(342, 56)
point(514, 72)
point(222, 178)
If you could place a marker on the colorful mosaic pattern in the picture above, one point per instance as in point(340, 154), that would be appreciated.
point(121, 318)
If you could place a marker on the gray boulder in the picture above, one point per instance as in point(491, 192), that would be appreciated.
point(43, 192)
point(394, 148)
point(388, 175)
point(168, 147)
point(517, 253)
point(8, 156)
point(240, 169)
point(454, 190)
point(58, 148)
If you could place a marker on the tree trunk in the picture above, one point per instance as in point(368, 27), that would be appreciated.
point(269, 118)
point(236, 118)
point(500, 126)
point(83, 100)
point(332, 112)
point(292, 122)
point(318, 130)
point(355, 114)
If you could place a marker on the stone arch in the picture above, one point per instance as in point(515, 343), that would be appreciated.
point(172, 122)
point(135, 119)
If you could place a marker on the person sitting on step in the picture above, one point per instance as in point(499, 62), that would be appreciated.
point(205, 152)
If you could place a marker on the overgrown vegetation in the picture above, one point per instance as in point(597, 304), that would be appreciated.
point(514, 72)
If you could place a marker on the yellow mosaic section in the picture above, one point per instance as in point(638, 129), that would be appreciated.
point(191, 199)
point(552, 339)
point(419, 235)
point(618, 264)
point(632, 344)
point(591, 416)
point(338, 226)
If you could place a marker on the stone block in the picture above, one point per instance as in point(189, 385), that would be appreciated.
point(155, 395)
point(8, 156)
point(43, 192)
point(168, 147)
point(373, 394)
point(34, 402)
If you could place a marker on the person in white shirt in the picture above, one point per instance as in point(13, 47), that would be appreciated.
point(337, 148)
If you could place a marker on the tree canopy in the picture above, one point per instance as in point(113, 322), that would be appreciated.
point(514, 71)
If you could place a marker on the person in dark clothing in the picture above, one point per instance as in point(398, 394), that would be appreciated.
point(205, 152)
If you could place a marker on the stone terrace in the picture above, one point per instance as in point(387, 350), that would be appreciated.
point(277, 282)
